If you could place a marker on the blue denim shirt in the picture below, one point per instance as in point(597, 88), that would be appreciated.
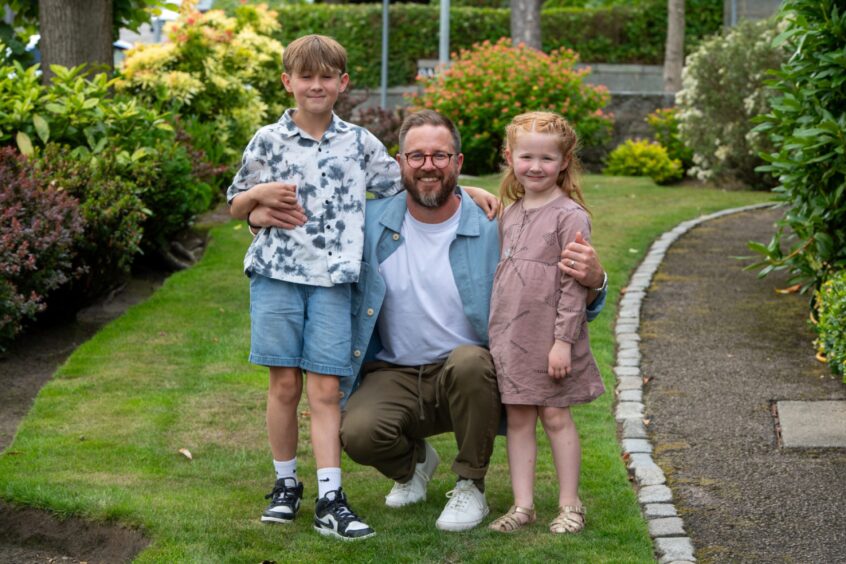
point(473, 257)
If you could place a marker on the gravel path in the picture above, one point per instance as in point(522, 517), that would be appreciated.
point(719, 346)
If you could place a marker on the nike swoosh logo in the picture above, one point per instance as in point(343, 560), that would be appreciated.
point(324, 479)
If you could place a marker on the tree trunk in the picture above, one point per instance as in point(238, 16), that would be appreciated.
point(74, 32)
point(525, 23)
point(674, 51)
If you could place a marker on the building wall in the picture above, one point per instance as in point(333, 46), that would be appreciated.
point(736, 10)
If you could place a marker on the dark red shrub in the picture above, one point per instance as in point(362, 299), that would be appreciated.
point(39, 224)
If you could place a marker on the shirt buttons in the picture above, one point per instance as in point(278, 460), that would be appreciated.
point(396, 237)
point(370, 311)
point(356, 353)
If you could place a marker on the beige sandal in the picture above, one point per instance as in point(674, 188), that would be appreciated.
point(510, 522)
point(571, 519)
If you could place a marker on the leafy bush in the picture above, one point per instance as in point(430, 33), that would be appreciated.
point(111, 209)
point(490, 84)
point(38, 227)
point(807, 125)
point(614, 34)
point(644, 158)
point(831, 323)
point(665, 126)
point(219, 71)
point(132, 144)
point(723, 91)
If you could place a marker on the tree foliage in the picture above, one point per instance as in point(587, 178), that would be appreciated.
point(807, 125)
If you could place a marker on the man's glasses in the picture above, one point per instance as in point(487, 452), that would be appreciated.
point(439, 159)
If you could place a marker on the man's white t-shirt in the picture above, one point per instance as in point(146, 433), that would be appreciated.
point(422, 318)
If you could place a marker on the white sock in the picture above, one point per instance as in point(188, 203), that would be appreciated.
point(328, 479)
point(286, 469)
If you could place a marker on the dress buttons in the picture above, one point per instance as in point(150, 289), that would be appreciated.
point(396, 237)
point(356, 353)
point(370, 311)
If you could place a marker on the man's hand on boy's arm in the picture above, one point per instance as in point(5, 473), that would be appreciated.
point(579, 260)
point(484, 199)
point(276, 195)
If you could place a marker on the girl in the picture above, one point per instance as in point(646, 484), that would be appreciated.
point(538, 327)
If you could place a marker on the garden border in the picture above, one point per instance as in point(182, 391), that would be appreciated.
point(666, 528)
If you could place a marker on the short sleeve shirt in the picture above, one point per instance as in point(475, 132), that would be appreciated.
point(332, 175)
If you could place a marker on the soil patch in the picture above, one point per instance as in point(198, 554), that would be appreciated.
point(33, 536)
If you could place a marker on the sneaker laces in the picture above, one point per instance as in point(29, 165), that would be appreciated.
point(283, 495)
point(459, 497)
point(342, 512)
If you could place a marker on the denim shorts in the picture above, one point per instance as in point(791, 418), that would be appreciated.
point(300, 325)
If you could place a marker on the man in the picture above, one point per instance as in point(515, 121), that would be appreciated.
point(420, 319)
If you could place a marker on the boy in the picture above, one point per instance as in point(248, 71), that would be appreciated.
point(300, 279)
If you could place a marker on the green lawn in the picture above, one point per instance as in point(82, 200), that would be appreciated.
point(103, 437)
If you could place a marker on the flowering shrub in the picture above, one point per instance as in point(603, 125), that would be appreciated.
point(665, 126)
point(644, 158)
point(831, 323)
point(38, 227)
point(722, 92)
point(489, 84)
point(223, 71)
point(807, 125)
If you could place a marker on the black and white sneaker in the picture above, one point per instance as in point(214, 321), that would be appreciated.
point(333, 517)
point(284, 501)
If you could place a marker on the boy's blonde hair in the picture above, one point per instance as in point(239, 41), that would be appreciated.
point(550, 123)
point(314, 53)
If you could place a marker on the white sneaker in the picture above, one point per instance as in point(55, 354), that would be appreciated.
point(465, 509)
point(414, 491)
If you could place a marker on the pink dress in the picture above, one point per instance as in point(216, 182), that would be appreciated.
point(534, 303)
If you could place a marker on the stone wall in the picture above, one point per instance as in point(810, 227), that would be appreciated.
point(630, 110)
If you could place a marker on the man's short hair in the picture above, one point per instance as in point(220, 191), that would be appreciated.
point(429, 117)
point(314, 53)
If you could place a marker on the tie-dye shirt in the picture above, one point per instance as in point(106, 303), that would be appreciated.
point(332, 176)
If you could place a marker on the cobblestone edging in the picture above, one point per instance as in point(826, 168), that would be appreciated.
point(672, 545)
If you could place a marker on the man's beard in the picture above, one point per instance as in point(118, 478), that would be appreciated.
point(431, 200)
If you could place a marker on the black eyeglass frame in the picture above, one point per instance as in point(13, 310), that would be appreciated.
point(431, 157)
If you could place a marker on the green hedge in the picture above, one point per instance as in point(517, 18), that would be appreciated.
point(831, 327)
point(618, 34)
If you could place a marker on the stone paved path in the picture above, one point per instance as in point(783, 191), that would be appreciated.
point(719, 347)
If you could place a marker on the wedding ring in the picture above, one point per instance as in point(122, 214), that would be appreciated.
point(572, 264)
